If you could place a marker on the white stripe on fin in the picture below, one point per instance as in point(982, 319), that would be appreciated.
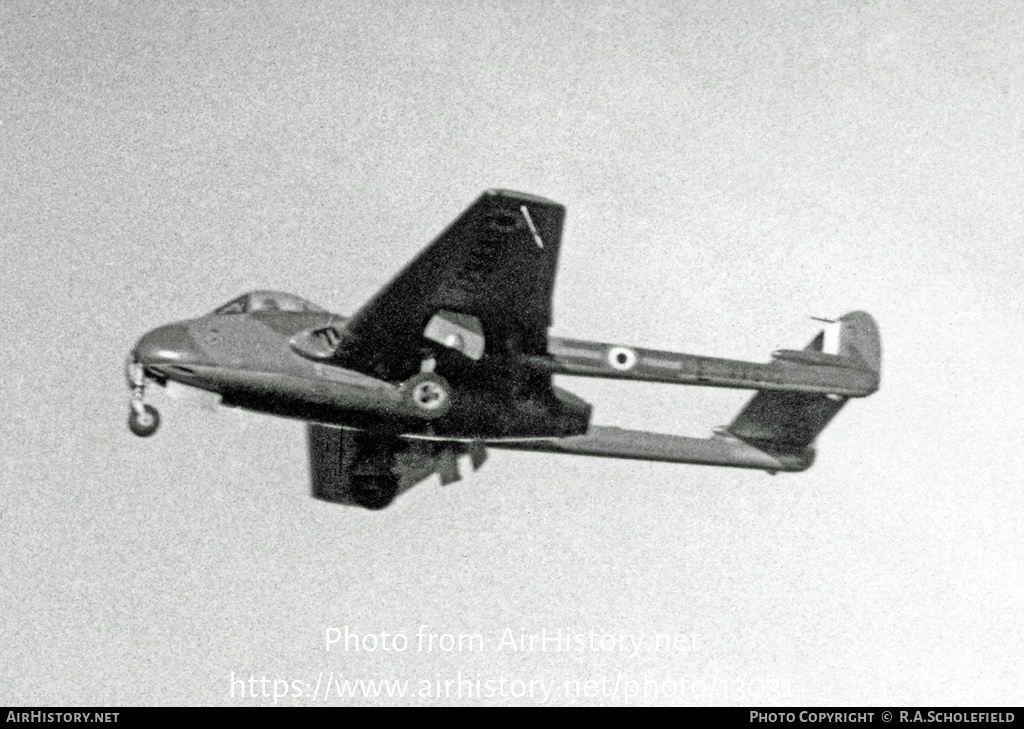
point(533, 229)
point(830, 345)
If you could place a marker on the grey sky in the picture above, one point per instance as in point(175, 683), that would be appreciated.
point(730, 168)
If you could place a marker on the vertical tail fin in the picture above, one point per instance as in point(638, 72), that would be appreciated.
point(859, 340)
point(791, 421)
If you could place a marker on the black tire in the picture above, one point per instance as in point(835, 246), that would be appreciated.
point(147, 424)
point(428, 394)
point(374, 492)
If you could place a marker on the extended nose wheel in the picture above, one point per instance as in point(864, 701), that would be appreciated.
point(143, 419)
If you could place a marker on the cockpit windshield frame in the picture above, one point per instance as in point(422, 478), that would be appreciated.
point(235, 306)
point(269, 301)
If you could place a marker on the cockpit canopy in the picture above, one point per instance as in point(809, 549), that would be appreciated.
point(269, 301)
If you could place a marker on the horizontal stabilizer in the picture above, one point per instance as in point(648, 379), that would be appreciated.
point(790, 421)
point(785, 420)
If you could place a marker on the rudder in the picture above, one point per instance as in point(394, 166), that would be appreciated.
point(859, 340)
point(791, 421)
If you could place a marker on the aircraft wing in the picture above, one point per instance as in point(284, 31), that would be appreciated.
point(483, 287)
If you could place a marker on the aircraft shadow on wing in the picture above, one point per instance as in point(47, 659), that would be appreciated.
point(453, 356)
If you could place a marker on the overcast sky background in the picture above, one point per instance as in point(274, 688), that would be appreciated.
point(729, 169)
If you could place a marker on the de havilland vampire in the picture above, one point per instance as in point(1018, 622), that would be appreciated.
point(453, 356)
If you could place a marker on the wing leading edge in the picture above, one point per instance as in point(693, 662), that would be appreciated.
point(494, 265)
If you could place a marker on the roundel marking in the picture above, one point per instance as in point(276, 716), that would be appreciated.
point(621, 358)
point(429, 395)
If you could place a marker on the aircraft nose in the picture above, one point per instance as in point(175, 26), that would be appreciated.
point(171, 343)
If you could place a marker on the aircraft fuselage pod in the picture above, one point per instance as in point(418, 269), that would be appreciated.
point(273, 360)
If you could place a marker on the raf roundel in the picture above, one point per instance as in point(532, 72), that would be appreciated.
point(621, 358)
point(429, 394)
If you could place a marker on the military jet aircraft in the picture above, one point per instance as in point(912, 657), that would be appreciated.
point(453, 356)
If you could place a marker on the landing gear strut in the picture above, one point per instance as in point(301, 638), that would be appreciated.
point(143, 419)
